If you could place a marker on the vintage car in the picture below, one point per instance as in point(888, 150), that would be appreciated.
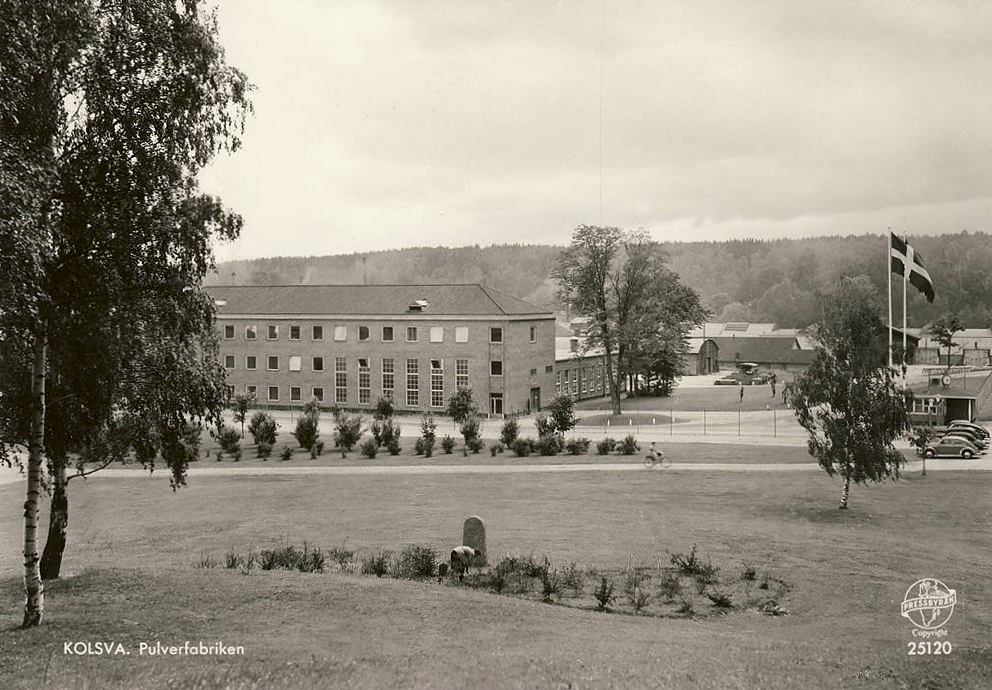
point(971, 426)
point(950, 447)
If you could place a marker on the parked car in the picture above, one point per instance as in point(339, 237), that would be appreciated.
point(980, 444)
point(977, 439)
point(979, 429)
point(950, 446)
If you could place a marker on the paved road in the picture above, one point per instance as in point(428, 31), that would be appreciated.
point(8, 476)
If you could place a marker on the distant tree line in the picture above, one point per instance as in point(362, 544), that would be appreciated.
point(781, 281)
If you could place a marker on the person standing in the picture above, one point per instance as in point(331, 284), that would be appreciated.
point(742, 392)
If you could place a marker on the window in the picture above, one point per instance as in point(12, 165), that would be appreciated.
point(228, 361)
point(251, 362)
point(388, 378)
point(229, 331)
point(549, 369)
point(230, 391)
point(251, 391)
point(273, 364)
point(496, 367)
point(273, 393)
point(387, 334)
point(437, 383)
point(461, 334)
point(295, 363)
point(533, 334)
point(294, 393)
point(363, 333)
point(294, 332)
point(558, 384)
point(251, 332)
point(317, 332)
point(412, 383)
point(412, 335)
point(317, 364)
point(495, 335)
point(318, 394)
point(364, 381)
point(340, 333)
point(461, 373)
point(533, 372)
point(340, 380)
point(273, 333)
point(437, 334)
point(575, 381)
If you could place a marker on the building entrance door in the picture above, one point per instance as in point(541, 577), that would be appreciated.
point(535, 399)
point(496, 404)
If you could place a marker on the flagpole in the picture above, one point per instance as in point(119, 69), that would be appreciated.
point(905, 282)
point(888, 270)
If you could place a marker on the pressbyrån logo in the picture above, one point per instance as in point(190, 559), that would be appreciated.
point(928, 603)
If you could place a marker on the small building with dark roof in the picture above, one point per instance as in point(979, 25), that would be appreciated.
point(781, 353)
point(940, 404)
point(347, 345)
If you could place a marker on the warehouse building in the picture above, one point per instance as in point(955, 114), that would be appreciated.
point(347, 345)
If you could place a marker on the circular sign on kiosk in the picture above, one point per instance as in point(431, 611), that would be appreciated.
point(946, 380)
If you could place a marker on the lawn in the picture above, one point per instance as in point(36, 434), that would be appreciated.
point(698, 399)
point(133, 545)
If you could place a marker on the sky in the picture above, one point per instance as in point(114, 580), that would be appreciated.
point(395, 123)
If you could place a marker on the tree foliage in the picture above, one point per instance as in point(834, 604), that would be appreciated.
point(618, 279)
point(848, 400)
point(461, 406)
point(943, 329)
point(108, 111)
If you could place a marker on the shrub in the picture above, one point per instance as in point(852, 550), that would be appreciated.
point(307, 560)
point(508, 434)
point(427, 427)
point(475, 445)
point(263, 428)
point(220, 455)
point(383, 408)
point(604, 594)
point(370, 448)
point(686, 607)
point(499, 578)
point(543, 425)
point(461, 406)
point(577, 446)
point(494, 450)
point(687, 563)
point(341, 555)
point(628, 446)
point(394, 447)
point(206, 561)
point(550, 582)
point(572, 578)
point(237, 453)
point(375, 428)
point(447, 444)
point(347, 431)
point(311, 560)
point(632, 580)
point(389, 433)
point(470, 429)
point(561, 414)
point(521, 447)
point(707, 573)
point(639, 599)
point(376, 564)
point(232, 560)
point(416, 562)
point(552, 444)
point(307, 431)
point(229, 439)
point(670, 586)
point(287, 453)
point(264, 450)
point(418, 447)
point(719, 599)
point(242, 403)
point(749, 573)
point(606, 446)
point(319, 447)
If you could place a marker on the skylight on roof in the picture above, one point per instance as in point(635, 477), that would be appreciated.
point(736, 327)
point(419, 305)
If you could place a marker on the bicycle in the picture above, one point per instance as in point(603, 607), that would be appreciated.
point(657, 459)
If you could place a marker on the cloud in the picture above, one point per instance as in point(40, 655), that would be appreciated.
point(396, 123)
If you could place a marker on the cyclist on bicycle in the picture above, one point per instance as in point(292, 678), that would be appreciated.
point(656, 454)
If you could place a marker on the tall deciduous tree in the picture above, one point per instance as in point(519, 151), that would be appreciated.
point(618, 279)
point(847, 400)
point(108, 111)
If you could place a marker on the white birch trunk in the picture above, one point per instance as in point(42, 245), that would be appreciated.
point(34, 588)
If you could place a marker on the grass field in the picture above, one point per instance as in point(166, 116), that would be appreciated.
point(698, 399)
point(133, 543)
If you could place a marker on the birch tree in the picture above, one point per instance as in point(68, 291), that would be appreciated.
point(848, 401)
point(108, 111)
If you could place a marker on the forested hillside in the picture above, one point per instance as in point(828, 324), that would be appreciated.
point(747, 280)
